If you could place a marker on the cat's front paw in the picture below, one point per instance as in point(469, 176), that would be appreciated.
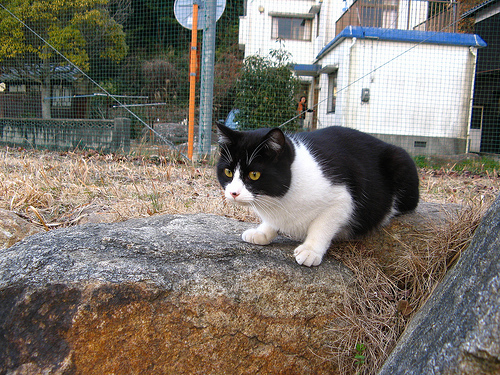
point(256, 236)
point(306, 255)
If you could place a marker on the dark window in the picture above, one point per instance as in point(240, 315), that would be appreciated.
point(332, 91)
point(291, 28)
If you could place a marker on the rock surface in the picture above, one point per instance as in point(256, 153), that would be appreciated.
point(14, 229)
point(166, 294)
point(457, 331)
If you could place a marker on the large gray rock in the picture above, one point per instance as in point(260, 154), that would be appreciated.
point(173, 294)
point(166, 294)
point(457, 331)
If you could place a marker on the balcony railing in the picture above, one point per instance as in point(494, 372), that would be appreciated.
point(438, 15)
point(441, 16)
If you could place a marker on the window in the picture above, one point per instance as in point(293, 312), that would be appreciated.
point(477, 117)
point(61, 96)
point(379, 13)
point(332, 91)
point(318, 24)
point(17, 88)
point(291, 28)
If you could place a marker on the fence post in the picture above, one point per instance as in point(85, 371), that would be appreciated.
point(121, 135)
point(207, 78)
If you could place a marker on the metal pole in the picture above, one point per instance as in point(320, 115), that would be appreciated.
point(207, 78)
point(192, 80)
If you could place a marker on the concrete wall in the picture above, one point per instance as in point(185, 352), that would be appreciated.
point(423, 146)
point(65, 134)
point(424, 91)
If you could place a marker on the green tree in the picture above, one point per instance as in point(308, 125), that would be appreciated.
point(266, 92)
point(81, 30)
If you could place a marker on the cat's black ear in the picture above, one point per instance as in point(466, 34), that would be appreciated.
point(226, 135)
point(275, 140)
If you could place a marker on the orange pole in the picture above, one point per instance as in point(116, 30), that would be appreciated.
point(192, 80)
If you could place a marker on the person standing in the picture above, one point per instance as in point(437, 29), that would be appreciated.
point(302, 110)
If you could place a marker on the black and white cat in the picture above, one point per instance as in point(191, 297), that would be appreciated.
point(333, 183)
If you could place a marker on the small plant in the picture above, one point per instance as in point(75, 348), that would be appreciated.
point(155, 203)
point(422, 162)
point(360, 355)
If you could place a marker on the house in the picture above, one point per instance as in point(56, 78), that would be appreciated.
point(374, 65)
point(485, 123)
point(22, 92)
point(410, 88)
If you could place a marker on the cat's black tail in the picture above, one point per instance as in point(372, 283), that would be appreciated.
point(400, 169)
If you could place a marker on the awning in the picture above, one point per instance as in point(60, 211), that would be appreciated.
point(310, 70)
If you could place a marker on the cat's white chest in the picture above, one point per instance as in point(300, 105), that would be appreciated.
point(310, 194)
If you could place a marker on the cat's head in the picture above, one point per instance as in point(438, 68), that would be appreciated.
point(253, 164)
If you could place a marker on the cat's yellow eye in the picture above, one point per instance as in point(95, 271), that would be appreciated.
point(228, 173)
point(254, 176)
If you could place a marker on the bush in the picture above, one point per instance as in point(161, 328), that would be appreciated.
point(266, 92)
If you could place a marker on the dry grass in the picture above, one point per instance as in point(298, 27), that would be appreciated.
point(384, 297)
point(448, 186)
point(63, 189)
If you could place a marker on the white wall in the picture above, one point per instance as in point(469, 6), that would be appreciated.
point(256, 27)
point(424, 91)
point(419, 90)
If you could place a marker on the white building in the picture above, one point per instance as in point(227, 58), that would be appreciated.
point(406, 86)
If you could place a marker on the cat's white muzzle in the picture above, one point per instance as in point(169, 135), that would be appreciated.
point(236, 192)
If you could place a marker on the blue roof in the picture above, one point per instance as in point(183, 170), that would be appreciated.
point(410, 36)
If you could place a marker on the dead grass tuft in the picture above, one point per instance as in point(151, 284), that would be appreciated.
point(419, 269)
point(368, 324)
point(382, 299)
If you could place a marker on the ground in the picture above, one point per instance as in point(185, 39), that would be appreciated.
point(58, 189)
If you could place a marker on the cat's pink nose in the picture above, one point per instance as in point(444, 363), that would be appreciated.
point(234, 194)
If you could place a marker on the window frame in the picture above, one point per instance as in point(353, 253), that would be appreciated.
point(332, 91)
point(300, 28)
point(61, 96)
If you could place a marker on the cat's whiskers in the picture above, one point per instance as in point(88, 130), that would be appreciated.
point(271, 202)
point(268, 205)
point(225, 154)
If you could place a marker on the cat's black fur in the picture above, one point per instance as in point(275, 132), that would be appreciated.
point(374, 170)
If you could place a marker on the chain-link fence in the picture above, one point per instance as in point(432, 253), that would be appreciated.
point(130, 76)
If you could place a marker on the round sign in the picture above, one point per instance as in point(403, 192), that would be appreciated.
point(183, 11)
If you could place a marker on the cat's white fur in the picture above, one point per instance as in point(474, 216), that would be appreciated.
point(313, 209)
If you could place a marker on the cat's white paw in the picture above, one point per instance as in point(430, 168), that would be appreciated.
point(306, 255)
point(256, 236)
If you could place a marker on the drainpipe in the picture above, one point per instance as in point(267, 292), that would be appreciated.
point(345, 108)
point(473, 52)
